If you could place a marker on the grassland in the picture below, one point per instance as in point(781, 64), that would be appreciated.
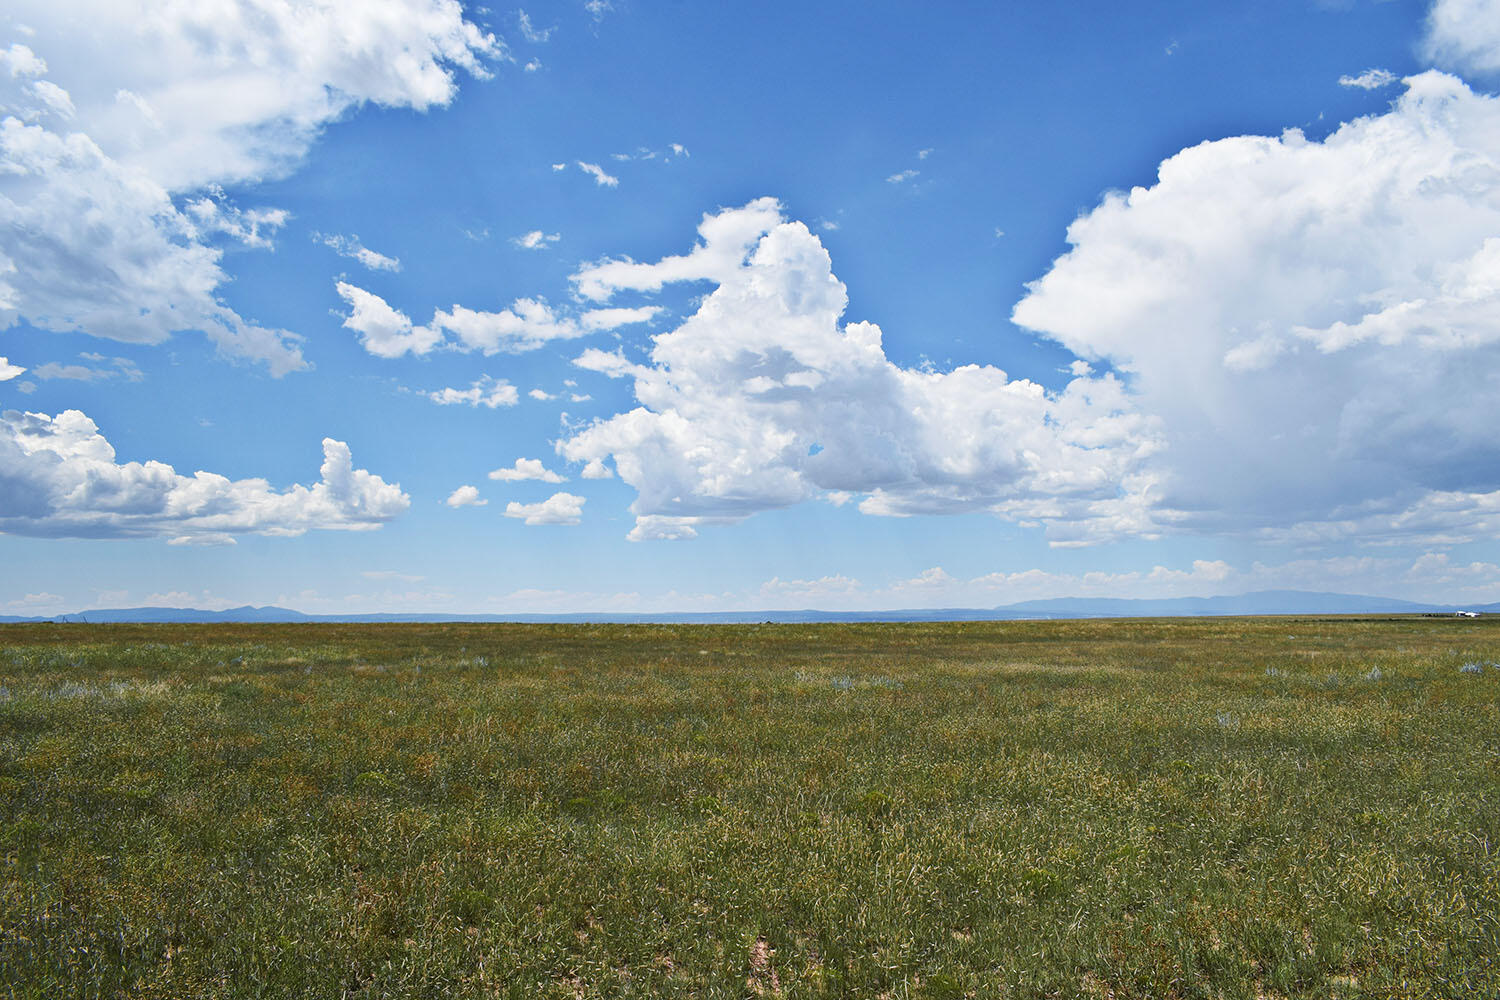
point(1210, 808)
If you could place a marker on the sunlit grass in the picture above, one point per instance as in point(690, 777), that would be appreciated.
point(1246, 808)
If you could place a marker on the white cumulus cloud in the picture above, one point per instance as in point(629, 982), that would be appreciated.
point(57, 100)
point(526, 468)
point(727, 236)
point(559, 508)
point(765, 399)
point(87, 244)
point(465, 496)
point(9, 371)
point(525, 326)
point(1316, 324)
point(389, 333)
point(59, 478)
point(1464, 35)
point(120, 116)
point(486, 391)
point(384, 331)
point(19, 60)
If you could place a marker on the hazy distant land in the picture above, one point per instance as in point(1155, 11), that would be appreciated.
point(1266, 602)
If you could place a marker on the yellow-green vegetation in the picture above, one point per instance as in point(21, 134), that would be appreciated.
point(1189, 808)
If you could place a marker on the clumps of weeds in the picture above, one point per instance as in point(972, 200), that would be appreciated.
point(1275, 672)
point(1373, 674)
point(1472, 667)
point(846, 683)
point(117, 690)
point(374, 783)
point(72, 689)
point(1227, 721)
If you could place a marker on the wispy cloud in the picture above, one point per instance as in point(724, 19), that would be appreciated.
point(530, 31)
point(672, 152)
point(351, 247)
point(597, 172)
point(535, 240)
point(102, 368)
point(1370, 79)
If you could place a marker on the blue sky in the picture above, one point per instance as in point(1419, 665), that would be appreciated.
point(407, 305)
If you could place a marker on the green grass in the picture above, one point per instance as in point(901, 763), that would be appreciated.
point(1210, 808)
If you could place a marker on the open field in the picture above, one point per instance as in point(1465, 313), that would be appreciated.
point(1185, 808)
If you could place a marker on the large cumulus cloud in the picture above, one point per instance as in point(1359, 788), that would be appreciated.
point(765, 398)
point(1315, 323)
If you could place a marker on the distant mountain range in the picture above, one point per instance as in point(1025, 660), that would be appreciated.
point(1264, 602)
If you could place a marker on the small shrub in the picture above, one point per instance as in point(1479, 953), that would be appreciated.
point(374, 782)
point(470, 907)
